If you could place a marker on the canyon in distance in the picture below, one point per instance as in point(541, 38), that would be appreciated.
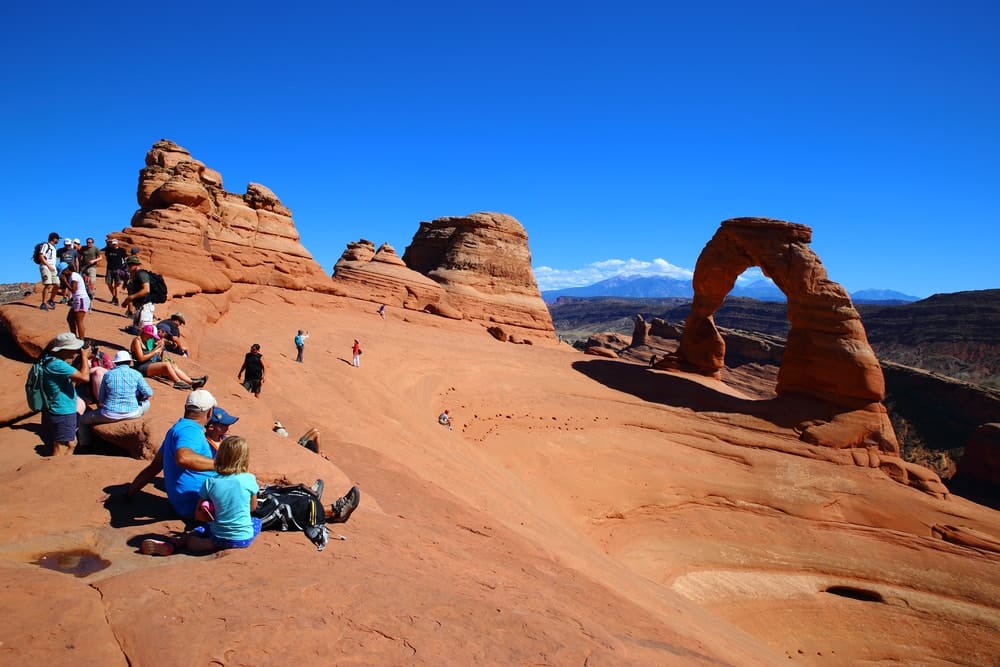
point(754, 495)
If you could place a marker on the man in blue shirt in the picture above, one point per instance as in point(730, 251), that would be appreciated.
point(124, 394)
point(185, 456)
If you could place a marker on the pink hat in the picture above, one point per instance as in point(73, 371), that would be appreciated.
point(150, 330)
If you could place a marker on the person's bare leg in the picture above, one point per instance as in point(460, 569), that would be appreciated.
point(80, 316)
point(62, 448)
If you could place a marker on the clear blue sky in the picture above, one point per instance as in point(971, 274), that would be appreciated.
point(619, 133)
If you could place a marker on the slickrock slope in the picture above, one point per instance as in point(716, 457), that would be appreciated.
point(582, 511)
point(483, 262)
point(191, 229)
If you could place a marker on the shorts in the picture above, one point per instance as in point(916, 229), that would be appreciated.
point(113, 277)
point(253, 386)
point(91, 273)
point(80, 304)
point(220, 543)
point(49, 276)
point(58, 428)
point(144, 315)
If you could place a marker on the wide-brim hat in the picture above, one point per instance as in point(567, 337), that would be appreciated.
point(65, 341)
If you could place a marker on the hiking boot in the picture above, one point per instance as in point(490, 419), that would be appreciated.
point(182, 385)
point(344, 507)
point(317, 488)
point(198, 383)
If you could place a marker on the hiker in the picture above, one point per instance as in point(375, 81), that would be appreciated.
point(652, 361)
point(356, 351)
point(310, 440)
point(300, 344)
point(90, 255)
point(217, 427)
point(65, 362)
point(79, 301)
point(226, 502)
point(253, 367)
point(170, 332)
point(46, 259)
point(185, 457)
point(381, 311)
point(445, 419)
point(124, 394)
point(114, 272)
point(138, 299)
point(151, 360)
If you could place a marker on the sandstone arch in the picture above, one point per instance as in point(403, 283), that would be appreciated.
point(827, 355)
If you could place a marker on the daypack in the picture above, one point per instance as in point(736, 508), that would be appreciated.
point(34, 255)
point(293, 507)
point(157, 288)
point(33, 386)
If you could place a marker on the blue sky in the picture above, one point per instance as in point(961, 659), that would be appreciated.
point(619, 133)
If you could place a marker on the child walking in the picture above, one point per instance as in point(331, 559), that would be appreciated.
point(227, 501)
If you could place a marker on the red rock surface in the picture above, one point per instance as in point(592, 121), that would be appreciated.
point(382, 277)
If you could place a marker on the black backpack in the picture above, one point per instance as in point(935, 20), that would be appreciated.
point(157, 288)
point(293, 507)
point(35, 255)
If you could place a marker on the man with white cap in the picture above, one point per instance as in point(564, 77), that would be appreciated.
point(124, 394)
point(65, 362)
point(114, 271)
point(185, 456)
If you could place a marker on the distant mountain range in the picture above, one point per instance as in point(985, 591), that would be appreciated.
point(657, 287)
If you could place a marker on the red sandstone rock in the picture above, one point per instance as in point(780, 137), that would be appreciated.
point(382, 277)
point(981, 458)
point(483, 262)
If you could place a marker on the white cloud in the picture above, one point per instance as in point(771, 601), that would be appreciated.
point(549, 278)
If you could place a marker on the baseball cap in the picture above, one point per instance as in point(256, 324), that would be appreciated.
point(65, 341)
point(122, 357)
point(151, 330)
point(200, 400)
point(133, 260)
point(76, 241)
point(220, 416)
point(114, 241)
point(68, 241)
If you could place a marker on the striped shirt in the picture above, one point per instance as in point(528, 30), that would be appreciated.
point(121, 390)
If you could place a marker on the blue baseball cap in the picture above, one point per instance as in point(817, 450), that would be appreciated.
point(220, 416)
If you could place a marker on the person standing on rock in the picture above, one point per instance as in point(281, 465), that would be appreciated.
point(90, 255)
point(79, 301)
point(138, 298)
point(47, 267)
point(356, 351)
point(254, 368)
point(114, 271)
point(381, 311)
point(65, 362)
point(300, 344)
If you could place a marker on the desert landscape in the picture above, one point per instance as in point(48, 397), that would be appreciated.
point(586, 509)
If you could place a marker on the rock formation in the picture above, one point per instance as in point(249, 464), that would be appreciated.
point(189, 228)
point(484, 265)
point(383, 277)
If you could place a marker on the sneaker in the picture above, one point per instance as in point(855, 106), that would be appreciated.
point(62, 300)
point(182, 385)
point(114, 301)
point(317, 488)
point(45, 306)
point(200, 382)
point(52, 304)
point(344, 507)
point(156, 548)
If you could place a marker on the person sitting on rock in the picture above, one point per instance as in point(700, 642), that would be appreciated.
point(150, 357)
point(185, 457)
point(170, 332)
point(124, 394)
point(445, 419)
point(217, 427)
point(310, 440)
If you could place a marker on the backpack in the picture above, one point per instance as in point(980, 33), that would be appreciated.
point(293, 507)
point(38, 250)
point(157, 288)
point(33, 387)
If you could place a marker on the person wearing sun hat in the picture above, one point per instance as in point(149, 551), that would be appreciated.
point(65, 362)
point(185, 457)
point(124, 394)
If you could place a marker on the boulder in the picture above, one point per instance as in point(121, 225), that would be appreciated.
point(483, 263)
